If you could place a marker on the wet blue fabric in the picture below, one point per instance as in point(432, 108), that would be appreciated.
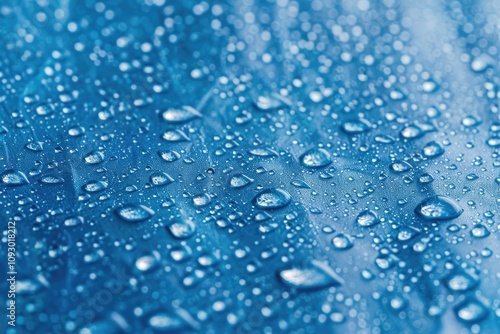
point(250, 166)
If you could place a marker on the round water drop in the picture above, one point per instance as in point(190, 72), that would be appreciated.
point(175, 136)
point(272, 199)
point(400, 166)
point(169, 156)
point(94, 157)
point(430, 86)
point(342, 241)
point(43, 110)
point(425, 178)
point(470, 121)
point(134, 213)
point(183, 229)
point(479, 231)
point(13, 178)
point(181, 115)
point(471, 311)
point(160, 179)
point(314, 276)
point(315, 158)
point(438, 208)
point(432, 150)
point(412, 132)
point(240, 180)
point(356, 126)
point(367, 218)
point(481, 63)
point(146, 263)
point(94, 186)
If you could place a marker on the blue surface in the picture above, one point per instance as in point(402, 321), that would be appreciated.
point(251, 166)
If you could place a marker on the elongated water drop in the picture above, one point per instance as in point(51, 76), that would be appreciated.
point(314, 276)
point(13, 178)
point(134, 213)
point(180, 115)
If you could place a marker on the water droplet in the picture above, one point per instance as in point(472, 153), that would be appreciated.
point(315, 158)
point(169, 156)
point(51, 179)
point(175, 136)
point(272, 199)
point(94, 157)
point(201, 200)
point(367, 218)
point(94, 186)
point(263, 152)
point(182, 115)
point(240, 180)
point(74, 221)
point(479, 231)
point(160, 179)
point(470, 121)
point(460, 281)
point(471, 311)
point(432, 149)
point(356, 126)
point(165, 323)
point(300, 184)
point(13, 177)
point(342, 241)
point(146, 263)
point(316, 275)
point(134, 213)
point(438, 208)
point(182, 229)
point(400, 166)
point(271, 103)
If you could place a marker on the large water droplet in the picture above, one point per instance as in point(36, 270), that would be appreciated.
point(181, 115)
point(471, 311)
point(175, 136)
point(160, 179)
point(315, 158)
point(356, 126)
point(432, 149)
point(460, 281)
point(169, 156)
point(13, 177)
point(240, 180)
point(342, 241)
point(438, 208)
point(367, 218)
point(272, 199)
point(134, 213)
point(165, 323)
point(270, 103)
point(94, 186)
point(94, 157)
point(182, 229)
point(314, 276)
